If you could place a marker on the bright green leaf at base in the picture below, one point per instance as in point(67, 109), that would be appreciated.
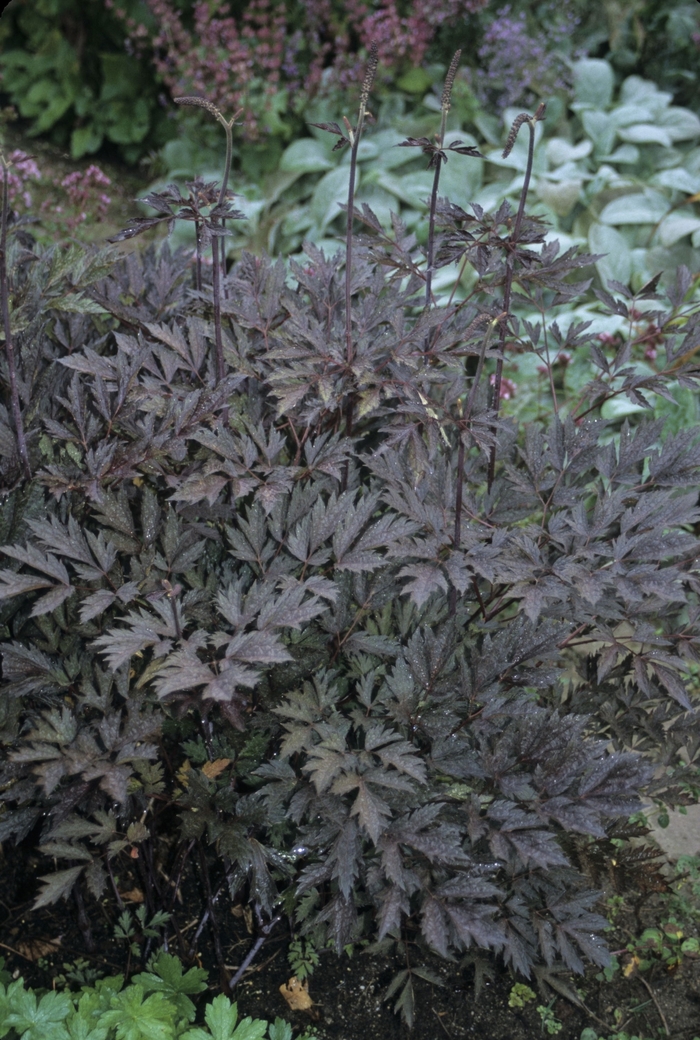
point(134, 1018)
point(86, 140)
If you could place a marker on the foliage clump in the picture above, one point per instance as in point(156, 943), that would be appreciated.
point(156, 1003)
point(284, 594)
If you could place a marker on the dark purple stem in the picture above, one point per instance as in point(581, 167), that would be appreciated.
point(511, 245)
point(265, 930)
point(452, 599)
point(220, 370)
point(9, 349)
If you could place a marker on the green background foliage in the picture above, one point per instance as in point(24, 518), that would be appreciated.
point(64, 67)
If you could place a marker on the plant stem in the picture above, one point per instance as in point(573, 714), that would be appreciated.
point(354, 137)
point(220, 370)
point(213, 925)
point(173, 606)
point(120, 901)
point(456, 538)
point(265, 930)
point(9, 348)
point(656, 1003)
point(348, 244)
point(205, 916)
point(176, 884)
point(198, 270)
point(444, 109)
point(452, 598)
point(511, 246)
point(222, 198)
point(218, 263)
point(83, 921)
point(431, 229)
point(227, 125)
point(431, 219)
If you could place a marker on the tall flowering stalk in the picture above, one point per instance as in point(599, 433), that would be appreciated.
point(354, 136)
point(9, 347)
point(437, 159)
point(436, 150)
point(512, 245)
point(353, 139)
point(463, 426)
point(218, 258)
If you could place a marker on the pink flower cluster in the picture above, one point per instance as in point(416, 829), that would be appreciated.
point(81, 190)
point(84, 198)
point(22, 168)
point(80, 187)
point(241, 60)
point(398, 37)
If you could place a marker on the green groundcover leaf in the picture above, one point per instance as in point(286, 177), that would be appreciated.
point(168, 978)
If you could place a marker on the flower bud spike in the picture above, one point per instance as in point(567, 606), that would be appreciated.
point(449, 82)
point(199, 102)
point(524, 117)
point(517, 123)
point(370, 73)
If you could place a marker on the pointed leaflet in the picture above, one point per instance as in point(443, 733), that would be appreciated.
point(434, 927)
point(406, 1003)
point(345, 857)
point(427, 578)
point(393, 751)
point(96, 604)
point(51, 600)
point(32, 1020)
point(58, 885)
point(182, 671)
point(220, 1016)
point(167, 977)
point(342, 918)
point(122, 643)
point(14, 584)
point(324, 763)
point(372, 811)
point(67, 541)
point(65, 850)
point(96, 878)
point(44, 562)
point(354, 550)
point(394, 904)
point(134, 1018)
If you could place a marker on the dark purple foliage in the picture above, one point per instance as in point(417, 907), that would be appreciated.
point(306, 611)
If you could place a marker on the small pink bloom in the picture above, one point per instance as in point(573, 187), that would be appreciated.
point(508, 387)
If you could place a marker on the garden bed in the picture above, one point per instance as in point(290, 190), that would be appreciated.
point(348, 991)
point(294, 749)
